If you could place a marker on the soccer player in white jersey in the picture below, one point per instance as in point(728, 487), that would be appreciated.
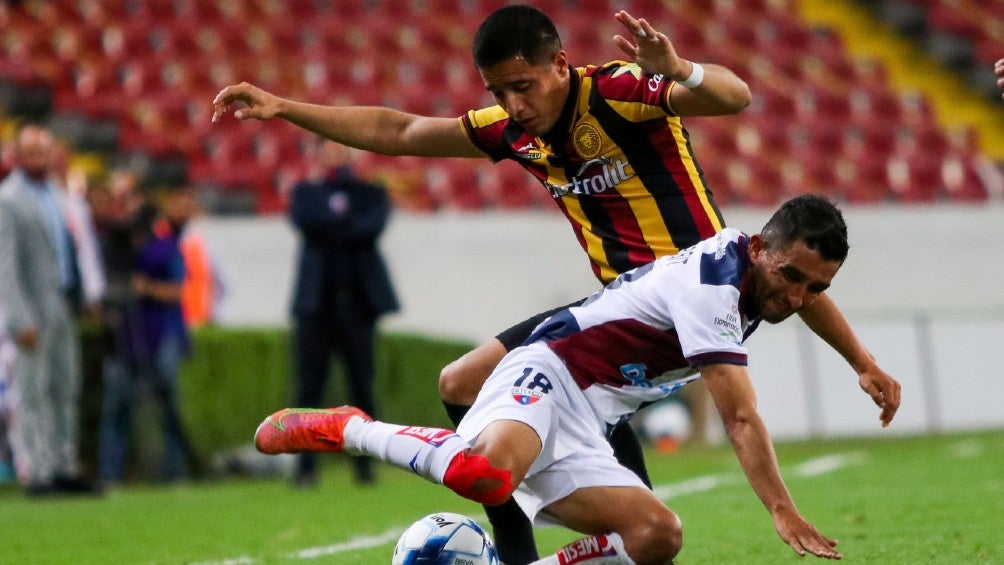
point(537, 430)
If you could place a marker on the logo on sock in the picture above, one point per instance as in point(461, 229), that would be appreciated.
point(585, 549)
point(432, 436)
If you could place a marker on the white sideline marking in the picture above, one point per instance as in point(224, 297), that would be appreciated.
point(361, 542)
point(810, 468)
point(242, 560)
point(829, 463)
point(690, 486)
point(967, 449)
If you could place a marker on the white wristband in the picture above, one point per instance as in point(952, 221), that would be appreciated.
point(696, 77)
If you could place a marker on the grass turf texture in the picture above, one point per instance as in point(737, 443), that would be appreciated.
point(898, 500)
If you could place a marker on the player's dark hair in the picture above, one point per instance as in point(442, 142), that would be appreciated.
point(515, 31)
point(811, 219)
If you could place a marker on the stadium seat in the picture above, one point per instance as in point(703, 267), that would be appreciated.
point(156, 53)
point(454, 184)
point(914, 179)
point(961, 179)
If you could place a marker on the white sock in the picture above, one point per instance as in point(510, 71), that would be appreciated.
point(426, 451)
point(605, 549)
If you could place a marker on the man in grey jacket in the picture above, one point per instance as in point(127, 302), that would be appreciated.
point(37, 273)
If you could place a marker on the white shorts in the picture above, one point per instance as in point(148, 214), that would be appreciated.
point(533, 386)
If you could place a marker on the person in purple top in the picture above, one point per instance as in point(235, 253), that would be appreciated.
point(152, 342)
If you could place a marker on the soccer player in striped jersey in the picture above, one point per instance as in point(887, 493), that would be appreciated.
point(607, 142)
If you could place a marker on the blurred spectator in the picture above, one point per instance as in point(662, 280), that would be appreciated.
point(152, 342)
point(36, 273)
point(116, 205)
point(203, 289)
point(91, 270)
point(7, 353)
point(342, 286)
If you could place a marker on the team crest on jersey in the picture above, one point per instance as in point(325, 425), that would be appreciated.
point(587, 141)
point(526, 396)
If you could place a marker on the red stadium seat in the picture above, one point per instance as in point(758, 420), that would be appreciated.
point(414, 54)
point(515, 189)
point(916, 179)
point(865, 180)
point(948, 17)
point(962, 179)
point(453, 184)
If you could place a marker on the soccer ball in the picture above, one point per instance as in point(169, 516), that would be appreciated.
point(667, 424)
point(445, 538)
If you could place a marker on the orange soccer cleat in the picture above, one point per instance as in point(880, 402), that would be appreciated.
point(292, 430)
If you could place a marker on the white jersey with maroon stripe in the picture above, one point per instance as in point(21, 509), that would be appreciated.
point(645, 334)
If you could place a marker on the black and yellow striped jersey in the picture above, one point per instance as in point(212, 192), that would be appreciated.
point(618, 163)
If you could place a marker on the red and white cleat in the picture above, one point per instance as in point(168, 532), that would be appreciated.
point(294, 430)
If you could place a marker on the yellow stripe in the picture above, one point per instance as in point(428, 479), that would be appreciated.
point(646, 213)
point(585, 87)
point(653, 228)
point(594, 244)
point(636, 111)
point(688, 161)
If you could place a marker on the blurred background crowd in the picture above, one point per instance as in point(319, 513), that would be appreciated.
point(127, 82)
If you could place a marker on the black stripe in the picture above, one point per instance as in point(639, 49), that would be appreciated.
point(599, 220)
point(646, 162)
point(704, 181)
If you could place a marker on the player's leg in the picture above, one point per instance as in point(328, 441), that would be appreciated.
point(461, 380)
point(628, 451)
point(497, 442)
point(439, 455)
point(626, 525)
point(459, 384)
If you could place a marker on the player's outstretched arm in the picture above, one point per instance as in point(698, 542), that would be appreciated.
point(999, 71)
point(824, 318)
point(720, 91)
point(371, 128)
point(732, 391)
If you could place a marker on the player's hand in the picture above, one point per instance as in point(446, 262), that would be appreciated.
point(261, 105)
point(802, 536)
point(884, 391)
point(999, 71)
point(650, 49)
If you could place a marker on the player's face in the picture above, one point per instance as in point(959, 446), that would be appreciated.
point(787, 280)
point(532, 95)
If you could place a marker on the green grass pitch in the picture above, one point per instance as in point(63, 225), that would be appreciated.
point(889, 501)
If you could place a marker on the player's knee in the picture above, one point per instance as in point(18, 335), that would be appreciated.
point(474, 478)
point(459, 383)
point(654, 536)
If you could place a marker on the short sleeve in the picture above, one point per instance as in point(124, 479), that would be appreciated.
point(485, 128)
point(708, 325)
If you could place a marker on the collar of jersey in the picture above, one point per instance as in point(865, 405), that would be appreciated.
point(558, 135)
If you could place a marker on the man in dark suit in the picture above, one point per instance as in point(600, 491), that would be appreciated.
point(342, 286)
